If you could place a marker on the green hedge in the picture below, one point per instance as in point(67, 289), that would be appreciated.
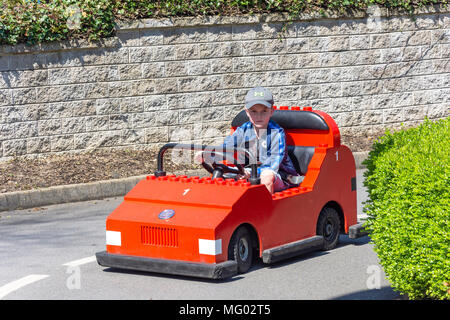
point(34, 21)
point(408, 181)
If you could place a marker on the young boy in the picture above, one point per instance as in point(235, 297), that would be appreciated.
point(265, 139)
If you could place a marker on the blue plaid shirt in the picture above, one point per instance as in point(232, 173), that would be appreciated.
point(270, 148)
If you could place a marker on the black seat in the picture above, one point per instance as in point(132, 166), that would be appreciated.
point(300, 157)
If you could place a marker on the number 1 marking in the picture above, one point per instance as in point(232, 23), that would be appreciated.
point(186, 191)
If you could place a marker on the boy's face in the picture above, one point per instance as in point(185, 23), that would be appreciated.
point(259, 115)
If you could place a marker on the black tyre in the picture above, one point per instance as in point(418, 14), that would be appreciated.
point(329, 226)
point(240, 249)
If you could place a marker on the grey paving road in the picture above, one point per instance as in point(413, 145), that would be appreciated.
point(48, 254)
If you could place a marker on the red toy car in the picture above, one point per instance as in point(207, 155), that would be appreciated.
point(213, 227)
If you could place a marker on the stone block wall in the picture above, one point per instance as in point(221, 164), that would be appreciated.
point(184, 79)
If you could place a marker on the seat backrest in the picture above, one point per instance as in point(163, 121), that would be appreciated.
point(288, 119)
point(300, 157)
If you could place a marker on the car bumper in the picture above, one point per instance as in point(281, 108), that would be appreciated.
point(357, 231)
point(222, 270)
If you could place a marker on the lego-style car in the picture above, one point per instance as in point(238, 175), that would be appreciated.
point(214, 226)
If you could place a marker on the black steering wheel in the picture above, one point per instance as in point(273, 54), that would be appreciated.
point(218, 169)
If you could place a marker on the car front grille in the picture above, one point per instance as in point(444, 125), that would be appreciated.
point(159, 236)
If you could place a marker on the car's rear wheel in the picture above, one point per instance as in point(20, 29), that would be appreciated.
point(329, 226)
point(241, 249)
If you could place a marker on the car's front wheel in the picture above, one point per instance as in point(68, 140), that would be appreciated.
point(241, 249)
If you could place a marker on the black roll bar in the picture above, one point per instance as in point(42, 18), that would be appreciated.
point(254, 179)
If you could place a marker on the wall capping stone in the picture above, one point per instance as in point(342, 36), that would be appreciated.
point(268, 18)
point(122, 26)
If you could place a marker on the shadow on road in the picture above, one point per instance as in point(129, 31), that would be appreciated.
point(384, 293)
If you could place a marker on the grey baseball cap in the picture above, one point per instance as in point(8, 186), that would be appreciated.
point(258, 95)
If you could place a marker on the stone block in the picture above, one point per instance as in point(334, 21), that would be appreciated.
point(253, 47)
point(132, 136)
point(73, 125)
point(93, 140)
point(183, 52)
point(166, 85)
point(393, 115)
point(310, 91)
point(97, 123)
point(25, 129)
point(190, 116)
point(308, 60)
point(16, 147)
point(330, 90)
point(5, 97)
point(6, 131)
point(268, 62)
point(435, 111)
point(317, 44)
point(359, 42)
point(116, 55)
point(233, 80)
point(255, 79)
point(119, 121)
point(130, 71)
point(26, 78)
point(61, 93)
point(199, 83)
point(277, 46)
point(38, 145)
point(156, 134)
point(164, 53)
point(142, 54)
point(49, 127)
point(242, 64)
point(341, 43)
point(153, 70)
point(61, 143)
point(285, 61)
point(415, 113)
point(297, 45)
point(95, 90)
point(24, 96)
point(222, 65)
point(155, 102)
point(198, 67)
point(212, 114)
point(380, 40)
point(275, 78)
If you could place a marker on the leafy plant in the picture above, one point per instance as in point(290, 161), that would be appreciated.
point(407, 179)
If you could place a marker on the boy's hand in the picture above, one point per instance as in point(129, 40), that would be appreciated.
point(244, 176)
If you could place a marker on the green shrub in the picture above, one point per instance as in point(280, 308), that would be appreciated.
point(407, 179)
point(36, 21)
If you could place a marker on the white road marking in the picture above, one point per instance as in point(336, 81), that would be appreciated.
point(80, 262)
point(17, 284)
